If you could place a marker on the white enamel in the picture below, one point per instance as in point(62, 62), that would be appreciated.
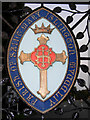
point(30, 73)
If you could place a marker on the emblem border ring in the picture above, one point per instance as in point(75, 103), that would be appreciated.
point(12, 62)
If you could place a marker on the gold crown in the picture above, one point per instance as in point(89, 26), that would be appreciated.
point(42, 29)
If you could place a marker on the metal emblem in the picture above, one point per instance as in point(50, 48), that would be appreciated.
point(42, 60)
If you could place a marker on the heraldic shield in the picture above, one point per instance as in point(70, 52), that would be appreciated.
point(42, 60)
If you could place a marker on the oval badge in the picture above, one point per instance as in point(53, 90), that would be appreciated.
point(42, 60)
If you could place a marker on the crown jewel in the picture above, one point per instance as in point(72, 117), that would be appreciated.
point(42, 29)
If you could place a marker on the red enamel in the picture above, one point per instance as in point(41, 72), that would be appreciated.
point(43, 57)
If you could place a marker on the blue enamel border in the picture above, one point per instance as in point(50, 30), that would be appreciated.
point(40, 105)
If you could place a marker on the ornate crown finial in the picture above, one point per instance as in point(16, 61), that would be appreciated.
point(42, 29)
point(43, 39)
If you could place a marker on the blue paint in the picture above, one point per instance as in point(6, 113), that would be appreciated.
point(40, 105)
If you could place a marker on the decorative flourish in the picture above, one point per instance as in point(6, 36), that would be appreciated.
point(72, 6)
point(85, 69)
point(69, 19)
point(80, 35)
point(57, 9)
point(83, 48)
point(71, 100)
point(82, 83)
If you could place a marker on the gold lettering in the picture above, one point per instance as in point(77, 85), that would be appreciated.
point(25, 92)
point(13, 49)
point(72, 64)
point(13, 54)
point(34, 102)
point(55, 22)
point(24, 26)
point(21, 88)
point(66, 34)
point(59, 25)
point(15, 39)
point(68, 40)
point(15, 44)
point(29, 97)
point(37, 13)
point(51, 17)
point(67, 82)
point(19, 33)
point(72, 71)
point(19, 83)
point(70, 77)
point(55, 98)
point(58, 93)
point(63, 29)
point(29, 21)
point(64, 88)
point(47, 14)
point(33, 17)
point(16, 78)
point(51, 102)
point(13, 66)
point(12, 63)
point(70, 46)
point(72, 52)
